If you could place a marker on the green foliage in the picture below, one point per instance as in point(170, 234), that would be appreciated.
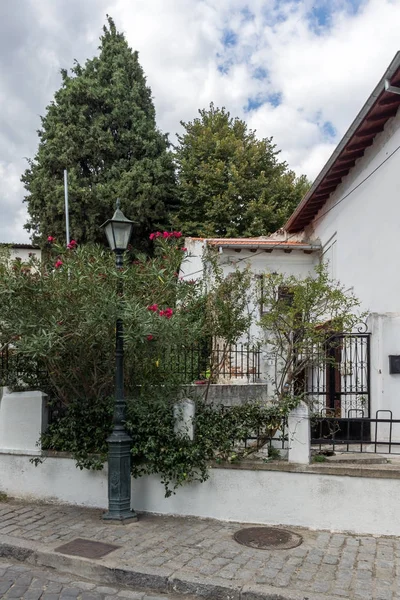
point(319, 458)
point(273, 453)
point(156, 448)
point(58, 318)
point(82, 432)
point(299, 318)
point(101, 127)
point(230, 183)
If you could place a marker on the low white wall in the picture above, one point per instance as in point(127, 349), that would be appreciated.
point(318, 501)
point(55, 480)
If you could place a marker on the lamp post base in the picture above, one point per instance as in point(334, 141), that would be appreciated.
point(129, 515)
point(119, 477)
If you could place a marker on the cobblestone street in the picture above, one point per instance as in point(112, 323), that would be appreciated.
point(29, 583)
point(170, 550)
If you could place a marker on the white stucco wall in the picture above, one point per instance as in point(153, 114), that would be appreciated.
point(56, 480)
point(359, 229)
point(366, 225)
point(23, 418)
point(337, 503)
point(22, 253)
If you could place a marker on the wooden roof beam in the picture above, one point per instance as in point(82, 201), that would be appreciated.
point(387, 114)
point(389, 99)
point(369, 131)
point(361, 145)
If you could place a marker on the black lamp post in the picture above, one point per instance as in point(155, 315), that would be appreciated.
point(118, 231)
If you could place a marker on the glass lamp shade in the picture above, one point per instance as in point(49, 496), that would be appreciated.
point(118, 231)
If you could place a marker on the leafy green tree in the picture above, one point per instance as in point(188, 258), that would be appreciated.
point(300, 317)
point(101, 127)
point(231, 183)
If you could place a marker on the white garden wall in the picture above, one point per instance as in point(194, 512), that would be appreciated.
point(304, 498)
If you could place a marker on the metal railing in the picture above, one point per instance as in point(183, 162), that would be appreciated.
point(341, 380)
point(356, 433)
point(196, 362)
point(218, 362)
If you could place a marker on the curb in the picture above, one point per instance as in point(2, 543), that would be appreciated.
point(147, 580)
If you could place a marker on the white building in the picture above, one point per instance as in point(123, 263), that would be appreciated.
point(22, 251)
point(350, 216)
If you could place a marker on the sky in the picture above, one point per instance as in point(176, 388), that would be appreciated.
point(297, 70)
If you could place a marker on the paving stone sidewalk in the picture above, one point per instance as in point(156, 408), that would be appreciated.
point(196, 556)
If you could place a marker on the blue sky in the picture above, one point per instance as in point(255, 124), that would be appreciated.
point(297, 70)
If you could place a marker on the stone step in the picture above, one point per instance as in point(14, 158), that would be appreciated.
point(356, 458)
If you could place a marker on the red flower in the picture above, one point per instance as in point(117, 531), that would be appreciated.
point(177, 234)
point(51, 239)
point(184, 249)
point(58, 264)
point(168, 312)
point(166, 234)
point(153, 307)
point(73, 244)
point(150, 337)
point(161, 313)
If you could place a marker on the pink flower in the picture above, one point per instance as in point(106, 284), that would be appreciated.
point(166, 235)
point(58, 264)
point(152, 236)
point(184, 249)
point(161, 313)
point(150, 337)
point(168, 312)
point(177, 234)
point(153, 307)
point(73, 244)
point(155, 235)
point(51, 239)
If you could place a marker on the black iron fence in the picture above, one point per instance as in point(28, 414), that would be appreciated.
point(197, 362)
point(18, 371)
point(272, 442)
point(342, 383)
point(356, 433)
point(200, 362)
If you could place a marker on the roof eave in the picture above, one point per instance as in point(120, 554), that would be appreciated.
point(290, 225)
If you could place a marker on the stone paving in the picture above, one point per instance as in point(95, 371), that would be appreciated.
point(29, 583)
point(326, 565)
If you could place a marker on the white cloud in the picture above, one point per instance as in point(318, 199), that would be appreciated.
point(321, 74)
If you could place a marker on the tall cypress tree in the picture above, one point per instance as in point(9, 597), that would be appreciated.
point(101, 127)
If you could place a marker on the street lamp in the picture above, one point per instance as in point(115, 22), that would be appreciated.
point(118, 231)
